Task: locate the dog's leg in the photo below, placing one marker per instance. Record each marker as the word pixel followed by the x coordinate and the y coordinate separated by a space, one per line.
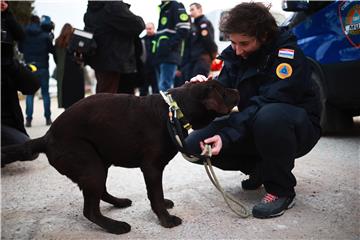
pixel 168 203
pixel 153 180
pixel 117 202
pixel 93 188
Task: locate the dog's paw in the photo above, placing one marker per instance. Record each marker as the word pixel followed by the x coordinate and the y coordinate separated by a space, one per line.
pixel 169 204
pixel 122 202
pixel 118 227
pixel 171 221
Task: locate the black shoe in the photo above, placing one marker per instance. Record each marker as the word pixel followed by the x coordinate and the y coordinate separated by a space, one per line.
pixel 253 183
pixel 28 123
pixel 272 206
pixel 48 122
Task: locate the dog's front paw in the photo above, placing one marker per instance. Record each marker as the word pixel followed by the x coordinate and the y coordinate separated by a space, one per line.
pixel 171 221
pixel 117 227
pixel 169 204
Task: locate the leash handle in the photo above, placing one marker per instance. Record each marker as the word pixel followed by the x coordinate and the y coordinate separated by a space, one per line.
pixel 243 211
pixel 207 152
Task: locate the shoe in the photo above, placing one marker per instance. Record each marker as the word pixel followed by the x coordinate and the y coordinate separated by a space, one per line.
pixel 252 183
pixel 48 122
pixel 272 206
pixel 28 123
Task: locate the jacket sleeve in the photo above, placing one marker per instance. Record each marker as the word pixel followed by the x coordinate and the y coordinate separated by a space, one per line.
pixel 289 79
pixel 182 24
pixel 24 80
pixel 224 77
pixel 207 37
pixel 122 19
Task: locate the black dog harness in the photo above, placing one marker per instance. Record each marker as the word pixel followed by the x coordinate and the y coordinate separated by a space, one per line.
pixel 179 128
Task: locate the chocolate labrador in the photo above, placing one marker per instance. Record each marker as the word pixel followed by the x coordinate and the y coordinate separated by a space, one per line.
pixel 126 131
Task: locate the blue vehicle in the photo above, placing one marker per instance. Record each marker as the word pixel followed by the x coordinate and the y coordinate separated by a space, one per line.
pixel 329 34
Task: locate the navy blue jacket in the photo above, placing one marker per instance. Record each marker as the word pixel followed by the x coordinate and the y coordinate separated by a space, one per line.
pixel 277 73
pixel 202 39
pixel 36 46
pixel 173 28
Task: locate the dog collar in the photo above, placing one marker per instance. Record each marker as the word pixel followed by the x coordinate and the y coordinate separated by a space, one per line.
pixel 175 111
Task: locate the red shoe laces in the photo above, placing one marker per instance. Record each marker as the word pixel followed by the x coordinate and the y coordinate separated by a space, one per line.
pixel 269 198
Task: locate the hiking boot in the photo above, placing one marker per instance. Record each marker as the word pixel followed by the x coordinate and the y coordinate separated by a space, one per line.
pixel 48 122
pixel 28 123
pixel 272 206
pixel 252 183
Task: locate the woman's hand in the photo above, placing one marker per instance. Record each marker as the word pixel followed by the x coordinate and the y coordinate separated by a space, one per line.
pixel 200 78
pixel 215 143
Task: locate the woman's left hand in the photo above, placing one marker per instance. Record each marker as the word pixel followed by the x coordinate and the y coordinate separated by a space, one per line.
pixel 215 143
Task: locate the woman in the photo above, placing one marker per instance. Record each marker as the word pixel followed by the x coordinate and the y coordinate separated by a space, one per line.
pixel 69 73
pixel 279 108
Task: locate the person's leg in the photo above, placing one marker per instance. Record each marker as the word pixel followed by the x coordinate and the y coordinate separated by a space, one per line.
pixel 201 66
pixel 10 136
pixel 186 73
pixel 107 82
pixel 126 83
pixel 29 109
pixel 44 84
pixel 282 132
pixel 166 76
pixel 153 82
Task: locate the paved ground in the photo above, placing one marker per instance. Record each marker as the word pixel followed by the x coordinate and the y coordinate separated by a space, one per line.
pixel 39 203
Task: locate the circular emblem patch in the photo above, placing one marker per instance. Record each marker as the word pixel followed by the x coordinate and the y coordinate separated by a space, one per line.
pixel 163 20
pixel 184 17
pixel 204 33
pixel 283 70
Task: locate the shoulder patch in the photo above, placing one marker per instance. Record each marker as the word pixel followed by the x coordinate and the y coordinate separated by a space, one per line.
pixel 286 53
pixel 284 70
pixel 204 33
pixel 203 25
pixel 184 17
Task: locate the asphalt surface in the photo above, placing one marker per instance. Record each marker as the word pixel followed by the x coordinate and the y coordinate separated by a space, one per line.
pixel 39 203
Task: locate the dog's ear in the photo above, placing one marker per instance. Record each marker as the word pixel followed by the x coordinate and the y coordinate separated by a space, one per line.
pixel 214 101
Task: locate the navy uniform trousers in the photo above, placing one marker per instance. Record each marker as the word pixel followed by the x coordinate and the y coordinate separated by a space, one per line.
pixel 279 133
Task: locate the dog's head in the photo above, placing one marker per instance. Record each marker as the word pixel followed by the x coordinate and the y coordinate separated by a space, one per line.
pixel 202 102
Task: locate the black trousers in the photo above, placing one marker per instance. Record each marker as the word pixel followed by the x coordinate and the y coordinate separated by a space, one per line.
pixel 199 66
pixel 278 134
pixel 10 136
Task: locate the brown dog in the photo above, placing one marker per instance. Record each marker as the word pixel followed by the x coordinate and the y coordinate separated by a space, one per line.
pixel 127 131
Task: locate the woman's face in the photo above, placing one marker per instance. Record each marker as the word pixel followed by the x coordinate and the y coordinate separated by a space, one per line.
pixel 244 45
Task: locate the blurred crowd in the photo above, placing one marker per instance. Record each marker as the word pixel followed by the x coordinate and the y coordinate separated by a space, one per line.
pixel 110 44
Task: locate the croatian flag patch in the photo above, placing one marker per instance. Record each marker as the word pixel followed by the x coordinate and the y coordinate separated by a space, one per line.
pixel 286 53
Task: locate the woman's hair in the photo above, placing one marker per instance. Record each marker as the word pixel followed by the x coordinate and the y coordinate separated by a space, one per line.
pixel 252 19
pixel 64 37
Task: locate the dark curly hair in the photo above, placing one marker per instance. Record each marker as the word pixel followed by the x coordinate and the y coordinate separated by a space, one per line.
pixel 253 19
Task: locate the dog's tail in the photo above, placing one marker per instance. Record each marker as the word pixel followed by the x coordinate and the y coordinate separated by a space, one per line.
pixel 23 152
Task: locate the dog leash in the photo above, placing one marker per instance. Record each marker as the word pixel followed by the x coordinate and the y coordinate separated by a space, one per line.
pixel 176 130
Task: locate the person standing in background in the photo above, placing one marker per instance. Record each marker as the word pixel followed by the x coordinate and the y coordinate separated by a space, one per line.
pixel 69 72
pixel 201 45
pixel 173 29
pixel 115 28
pixel 36 48
pixel 149 43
